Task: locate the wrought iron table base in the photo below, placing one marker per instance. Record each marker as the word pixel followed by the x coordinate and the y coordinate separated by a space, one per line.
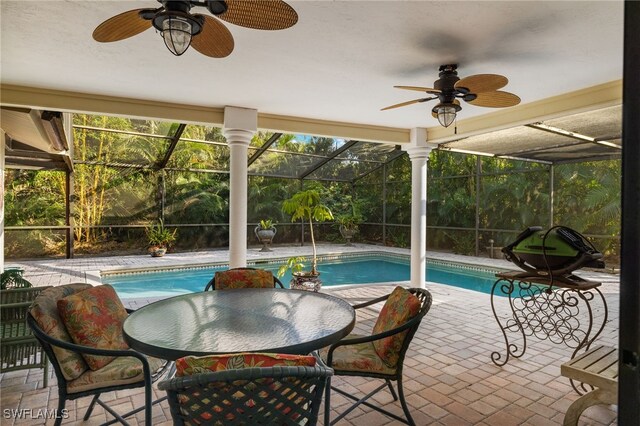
pixel 547 310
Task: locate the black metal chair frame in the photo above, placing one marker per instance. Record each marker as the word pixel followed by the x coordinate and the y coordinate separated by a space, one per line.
pixel 242 380
pixel 411 327
pixel 211 285
pixel 20 349
pixel 48 342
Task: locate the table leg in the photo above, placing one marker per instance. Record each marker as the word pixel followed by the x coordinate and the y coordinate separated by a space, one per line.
pixel 596 396
pixel 507 287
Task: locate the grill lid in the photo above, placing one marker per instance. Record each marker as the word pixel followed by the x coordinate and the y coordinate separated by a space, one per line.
pixel 554 245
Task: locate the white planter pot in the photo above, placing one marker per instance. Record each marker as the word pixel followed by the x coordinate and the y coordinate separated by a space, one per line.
pixel 265 236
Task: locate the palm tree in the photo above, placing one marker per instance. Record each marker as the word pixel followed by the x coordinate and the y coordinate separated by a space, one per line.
pixel 306 205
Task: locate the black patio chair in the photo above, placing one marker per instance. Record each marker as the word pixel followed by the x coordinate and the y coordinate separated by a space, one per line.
pixel 355 355
pixel 129 369
pixel 243 278
pixel 280 395
pixel 19 348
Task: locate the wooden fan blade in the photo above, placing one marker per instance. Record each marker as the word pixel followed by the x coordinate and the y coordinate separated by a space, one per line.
pixel 215 40
pixel 497 99
pixel 260 14
pixel 121 26
pixel 482 83
pixel 419 89
pixel 415 101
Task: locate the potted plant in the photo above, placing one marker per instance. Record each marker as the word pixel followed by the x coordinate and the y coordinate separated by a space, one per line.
pixel 12 278
pixel 348 226
pixel 265 231
pixel 295 264
pixel 159 238
pixel 307 205
pixel 300 280
pixel 349 218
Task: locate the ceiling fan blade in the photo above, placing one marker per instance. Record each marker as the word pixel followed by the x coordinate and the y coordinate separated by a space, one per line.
pixel 497 99
pixel 215 40
pixel 415 101
pixel 482 83
pixel 121 26
pixel 260 14
pixel 419 89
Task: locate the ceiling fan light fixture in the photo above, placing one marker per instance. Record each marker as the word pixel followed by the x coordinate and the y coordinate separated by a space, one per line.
pixel 446 114
pixel 176 32
pixel 479 90
pixel 207 34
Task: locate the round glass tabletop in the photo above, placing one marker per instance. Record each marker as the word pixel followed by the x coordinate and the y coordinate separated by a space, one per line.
pixel 242 320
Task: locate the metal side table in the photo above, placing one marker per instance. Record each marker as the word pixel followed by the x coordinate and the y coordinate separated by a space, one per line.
pixel 547 310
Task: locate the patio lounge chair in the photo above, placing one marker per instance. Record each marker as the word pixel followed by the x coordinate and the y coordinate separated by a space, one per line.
pixel 20 349
pixel 380 355
pixel 84 370
pixel 284 390
pixel 243 278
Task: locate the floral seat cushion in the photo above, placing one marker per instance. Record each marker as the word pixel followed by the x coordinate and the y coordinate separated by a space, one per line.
pixel 120 371
pixel 44 310
pixel 243 278
pixel 211 363
pixel 400 307
pixel 357 357
pixel 94 318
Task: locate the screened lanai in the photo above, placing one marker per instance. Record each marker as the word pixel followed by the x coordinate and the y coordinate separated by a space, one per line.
pixel 339 64
pixel 125 173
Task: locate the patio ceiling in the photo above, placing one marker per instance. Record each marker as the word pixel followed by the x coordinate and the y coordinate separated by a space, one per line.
pixel 331 73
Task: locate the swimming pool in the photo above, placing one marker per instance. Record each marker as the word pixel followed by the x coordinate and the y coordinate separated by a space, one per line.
pixel 378 268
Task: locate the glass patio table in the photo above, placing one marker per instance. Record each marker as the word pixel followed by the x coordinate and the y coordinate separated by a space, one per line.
pixel 242 320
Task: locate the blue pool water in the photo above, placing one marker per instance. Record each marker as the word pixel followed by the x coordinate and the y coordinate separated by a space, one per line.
pixel 333 272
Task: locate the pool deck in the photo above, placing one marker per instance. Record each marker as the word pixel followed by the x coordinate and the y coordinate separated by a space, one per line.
pixel 449 377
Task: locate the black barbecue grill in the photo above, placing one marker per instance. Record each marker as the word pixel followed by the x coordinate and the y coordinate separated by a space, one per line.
pixel 555 253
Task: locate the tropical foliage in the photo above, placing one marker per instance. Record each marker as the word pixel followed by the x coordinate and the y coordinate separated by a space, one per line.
pixel 160 236
pixel 265 224
pixel 308 206
pixel 125 178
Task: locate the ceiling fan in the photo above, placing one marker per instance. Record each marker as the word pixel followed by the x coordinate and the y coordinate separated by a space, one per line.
pixel 480 90
pixel 180 28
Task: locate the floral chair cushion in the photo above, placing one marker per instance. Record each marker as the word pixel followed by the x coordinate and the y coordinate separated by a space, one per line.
pixel 399 308
pixel 120 371
pixel 94 318
pixel 211 363
pixel 357 357
pixel 44 310
pixel 243 278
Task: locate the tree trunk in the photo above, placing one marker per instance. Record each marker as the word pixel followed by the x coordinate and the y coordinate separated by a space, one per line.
pixel 314 262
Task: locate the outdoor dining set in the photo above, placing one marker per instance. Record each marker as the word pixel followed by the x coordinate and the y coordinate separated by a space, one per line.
pixel 245 350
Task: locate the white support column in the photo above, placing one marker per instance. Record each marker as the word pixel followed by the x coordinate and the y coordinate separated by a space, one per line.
pixel 418 150
pixel 240 124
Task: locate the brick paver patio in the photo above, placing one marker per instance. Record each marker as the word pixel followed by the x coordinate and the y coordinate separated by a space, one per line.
pixel 449 377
